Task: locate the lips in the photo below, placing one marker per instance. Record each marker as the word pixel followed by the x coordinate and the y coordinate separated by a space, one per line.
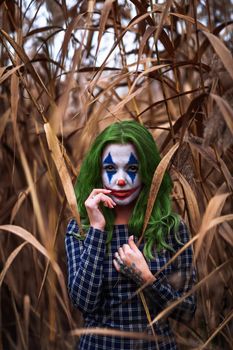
pixel 122 194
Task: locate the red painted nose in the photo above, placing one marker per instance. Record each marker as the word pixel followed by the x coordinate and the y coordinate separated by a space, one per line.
pixel 121 182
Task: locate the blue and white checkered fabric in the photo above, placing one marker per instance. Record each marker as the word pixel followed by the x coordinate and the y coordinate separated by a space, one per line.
pixel 107 298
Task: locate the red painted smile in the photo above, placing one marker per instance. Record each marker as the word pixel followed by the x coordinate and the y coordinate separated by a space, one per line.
pixel 122 194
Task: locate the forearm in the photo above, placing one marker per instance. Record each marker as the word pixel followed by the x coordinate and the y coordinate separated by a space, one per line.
pixel 85 267
pixel 161 294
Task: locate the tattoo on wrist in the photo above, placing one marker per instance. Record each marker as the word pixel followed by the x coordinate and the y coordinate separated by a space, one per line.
pixel 131 272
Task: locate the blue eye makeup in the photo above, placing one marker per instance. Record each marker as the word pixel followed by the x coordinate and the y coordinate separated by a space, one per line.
pixel 132 167
pixel 109 166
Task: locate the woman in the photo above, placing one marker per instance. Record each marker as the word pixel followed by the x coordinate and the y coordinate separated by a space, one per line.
pixel 107 267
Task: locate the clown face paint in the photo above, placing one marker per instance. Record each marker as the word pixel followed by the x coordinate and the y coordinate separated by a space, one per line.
pixel 120 172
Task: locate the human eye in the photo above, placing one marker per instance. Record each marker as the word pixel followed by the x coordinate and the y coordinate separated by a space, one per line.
pixel 133 168
pixel 109 167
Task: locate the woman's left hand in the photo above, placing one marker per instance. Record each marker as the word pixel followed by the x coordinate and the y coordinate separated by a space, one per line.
pixel 130 261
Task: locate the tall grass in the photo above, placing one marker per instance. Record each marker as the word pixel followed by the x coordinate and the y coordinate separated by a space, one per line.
pixel 69 69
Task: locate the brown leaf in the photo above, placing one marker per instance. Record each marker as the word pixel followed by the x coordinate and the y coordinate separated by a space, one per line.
pixel 4 120
pixel 10 260
pixel 70 27
pixel 165 40
pixel 191 203
pixel 225 109
pixel 225 232
pixel 26 311
pixel 29 238
pixel 54 147
pixel 9 73
pixel 142 9
pixel 14 98
pixel 209 155
pixel 183 121
pixel 222 51
pixel 213 210
pixel 21 53
pixel 114 111
pixel 162 19
pixel 149 31
pixel 227 319
pixel 44 29
pixel 103 20
pixel 112 332
pixel 155 185
pixel 145 72
pixel 136 20
pixel 2 70
pixel 219 220
pixel 190 20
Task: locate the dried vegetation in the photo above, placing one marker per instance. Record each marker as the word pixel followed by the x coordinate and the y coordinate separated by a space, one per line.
pixel 68 69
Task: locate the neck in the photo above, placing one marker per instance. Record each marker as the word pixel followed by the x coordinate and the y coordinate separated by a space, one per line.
pixel 123 214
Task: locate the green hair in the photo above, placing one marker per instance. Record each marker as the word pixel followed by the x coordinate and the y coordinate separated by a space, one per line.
pixel 162 219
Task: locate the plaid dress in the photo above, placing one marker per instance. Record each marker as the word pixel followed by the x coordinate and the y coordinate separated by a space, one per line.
pixel 107 298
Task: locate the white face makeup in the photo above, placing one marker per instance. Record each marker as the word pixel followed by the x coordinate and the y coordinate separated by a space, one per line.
pixel 120 172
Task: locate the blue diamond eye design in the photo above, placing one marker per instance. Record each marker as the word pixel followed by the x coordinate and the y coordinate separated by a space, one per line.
pixel 132 167
pixel 109 166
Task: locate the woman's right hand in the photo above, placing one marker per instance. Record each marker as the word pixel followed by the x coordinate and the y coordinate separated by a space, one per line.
pixel 97 196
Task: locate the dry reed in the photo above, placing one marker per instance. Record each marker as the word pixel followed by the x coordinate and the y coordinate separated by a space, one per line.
pixel 167 65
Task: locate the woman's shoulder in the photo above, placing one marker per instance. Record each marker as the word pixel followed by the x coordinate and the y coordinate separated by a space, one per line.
pixel 183 230
pixel 179 235
pixel 72 227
